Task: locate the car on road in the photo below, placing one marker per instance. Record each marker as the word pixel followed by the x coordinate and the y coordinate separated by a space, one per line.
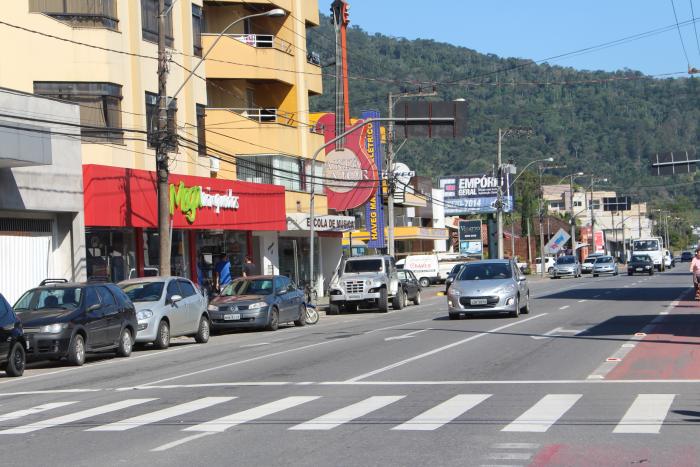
pixel 566 265
pixel 549 262
pixel 686 257
pixel 640 264
pixel 365 281
pixel 69 320
pixel 12 343
pixel 167 307
pixel 489 287
pixel 452 274
pixel 262 302
pixel 587 265
pixel 605 265
pixel 411 286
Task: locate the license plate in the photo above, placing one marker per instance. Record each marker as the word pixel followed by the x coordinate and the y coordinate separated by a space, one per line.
pixel 355 296
pixel 639 269
pixel 478 301
pixel 232 317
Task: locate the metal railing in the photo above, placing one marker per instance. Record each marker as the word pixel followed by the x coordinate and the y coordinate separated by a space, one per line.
pixel 261 114
pixel 260 41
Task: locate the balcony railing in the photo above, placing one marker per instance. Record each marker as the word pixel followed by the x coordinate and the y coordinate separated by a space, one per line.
pixel 314 58
pixel 261 41
pixel 261 115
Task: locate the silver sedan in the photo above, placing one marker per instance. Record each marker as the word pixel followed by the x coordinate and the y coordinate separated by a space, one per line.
pixel 605 265
pixel 489 287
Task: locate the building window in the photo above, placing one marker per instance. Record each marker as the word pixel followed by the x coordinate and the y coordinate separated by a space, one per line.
pixel 595 204
pixel 100 107
pixel 149 21
pixel 79 14
pixel 152 122
pixel 201 130
pixel 556 205
pixel 578 204
pixel 197 24
pixel 271 169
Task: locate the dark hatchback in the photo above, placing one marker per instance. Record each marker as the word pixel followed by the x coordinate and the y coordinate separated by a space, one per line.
pixel 640 264
pixel 12 343
pixel 65 320
pixel 410 285
pixel 686 257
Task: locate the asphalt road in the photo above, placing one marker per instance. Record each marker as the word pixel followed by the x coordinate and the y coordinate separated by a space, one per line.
pixel 602 371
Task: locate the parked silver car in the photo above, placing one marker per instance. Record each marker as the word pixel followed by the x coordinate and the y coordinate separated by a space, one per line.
pixel 488 287
pixel 167 307
pixel 605 265
pixel 566 266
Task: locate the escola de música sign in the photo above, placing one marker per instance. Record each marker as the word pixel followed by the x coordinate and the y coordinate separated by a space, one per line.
pixel 190 199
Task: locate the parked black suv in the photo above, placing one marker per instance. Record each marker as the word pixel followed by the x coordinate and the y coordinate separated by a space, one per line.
pixel 12 355
pixel 67 320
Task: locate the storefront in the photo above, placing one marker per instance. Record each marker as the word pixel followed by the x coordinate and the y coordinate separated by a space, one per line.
pixel 210 218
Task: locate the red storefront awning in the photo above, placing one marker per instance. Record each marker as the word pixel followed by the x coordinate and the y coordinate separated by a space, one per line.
pixel 119 197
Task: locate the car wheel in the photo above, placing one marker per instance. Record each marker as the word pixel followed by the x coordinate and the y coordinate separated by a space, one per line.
pixel 383 301
pixel 595 275
pixel 302 316
pixel 125 344
pixel 549 271
pixel 163 336
pixel 274 323
pixel 333 309
pixel 515 313
pixel 203 331
pixel 454 316
pixel 424 282
pixel 76 351
pixel 417 299
pixel 398 301
pixel 630 274
pixel 526 309
pixel 16 360
pixel 651 273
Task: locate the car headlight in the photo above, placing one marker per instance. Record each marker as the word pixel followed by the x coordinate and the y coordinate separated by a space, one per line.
pixel 373 283
pixel 213 308
pixel 454 292
pixel 257 305
pixel 144 314
pixel 53 328
pixel 510 301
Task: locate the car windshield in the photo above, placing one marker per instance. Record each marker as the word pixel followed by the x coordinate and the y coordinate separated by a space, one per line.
pixel 364 265
pixel 483 271
pixel 67 298
pixel 640 258
pixel 604 259
pixel 591 259
pixel 566 260
pixel 455 268
pixel 645 245
pixel 248 287
pixel 143 291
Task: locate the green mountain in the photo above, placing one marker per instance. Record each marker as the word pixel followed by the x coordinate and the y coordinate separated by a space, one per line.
pixel 601 123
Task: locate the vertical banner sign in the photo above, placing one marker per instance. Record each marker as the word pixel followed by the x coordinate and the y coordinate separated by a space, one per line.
pixel 374 210
pixel 470 238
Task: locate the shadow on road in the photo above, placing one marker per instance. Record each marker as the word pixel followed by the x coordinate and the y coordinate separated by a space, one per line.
pixel 637 293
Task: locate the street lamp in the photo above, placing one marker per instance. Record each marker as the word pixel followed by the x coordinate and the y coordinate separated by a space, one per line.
pixel 512 224
pixel 593 181
pixel 571 178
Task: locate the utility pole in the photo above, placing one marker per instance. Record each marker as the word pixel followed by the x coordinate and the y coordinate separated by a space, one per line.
pixel 593 246
pixel 573 219
pixel 391 181
pixel 162 170
pixel 542 208
pixel 499 201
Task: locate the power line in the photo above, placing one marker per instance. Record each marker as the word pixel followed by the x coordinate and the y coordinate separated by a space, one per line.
pixel 692 12
pixel 680 36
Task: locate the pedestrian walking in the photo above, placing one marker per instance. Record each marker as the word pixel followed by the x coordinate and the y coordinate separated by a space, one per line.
pixel 249 267
pixel 695 270
pixel 222 271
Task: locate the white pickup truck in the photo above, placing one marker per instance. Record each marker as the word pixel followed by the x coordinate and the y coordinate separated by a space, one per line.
pixel 652 246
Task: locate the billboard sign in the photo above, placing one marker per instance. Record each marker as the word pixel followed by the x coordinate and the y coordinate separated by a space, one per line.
pixel 617 203
pixel 374 209
pixel 475 194
pixel 470 238
pixel 557 242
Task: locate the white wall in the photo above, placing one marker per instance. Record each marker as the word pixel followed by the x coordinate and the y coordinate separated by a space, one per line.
pixel 269 252
pixel 332 250
pixel 438 196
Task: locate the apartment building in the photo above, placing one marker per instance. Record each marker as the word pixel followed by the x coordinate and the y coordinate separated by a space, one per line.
pixel 241 120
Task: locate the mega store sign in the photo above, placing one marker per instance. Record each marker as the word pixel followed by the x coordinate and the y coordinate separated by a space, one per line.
pixel 120 197
pixel 475 194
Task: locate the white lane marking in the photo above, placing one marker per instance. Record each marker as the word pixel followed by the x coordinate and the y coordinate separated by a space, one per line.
pixel 254 345
pixel 443 413
pixel 583 300
pixel 646 414
pixel 509 456
pixel 397 325
pixel 440 349
pixel 541 416
pixel 515 446
pixel 347 414
pixel 406 336
pixel 74 417
pixel 33 410
pixel 555 331
pixel 564 307
pixel 207 385
pixel 161 415
pixel 50 391
pixel 224 423
pixel 174 444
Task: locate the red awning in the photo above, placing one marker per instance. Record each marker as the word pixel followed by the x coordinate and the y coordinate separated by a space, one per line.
pixel 120 197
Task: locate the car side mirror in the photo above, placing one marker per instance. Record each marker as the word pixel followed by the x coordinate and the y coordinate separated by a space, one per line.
pixel 93 307
pixel 175 298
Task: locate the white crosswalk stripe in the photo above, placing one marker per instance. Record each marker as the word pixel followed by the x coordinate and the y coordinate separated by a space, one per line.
pixel 224 423
pixel 444 413
pixel 74 417
pixel 544 413
pixel 160 415
pixel 646 414
pixel 347 414
pixel 33 410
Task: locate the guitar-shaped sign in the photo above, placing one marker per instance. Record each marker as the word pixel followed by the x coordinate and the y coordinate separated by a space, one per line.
pixel 350 174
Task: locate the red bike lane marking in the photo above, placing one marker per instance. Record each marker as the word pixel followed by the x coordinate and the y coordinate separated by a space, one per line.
pixel 670 351
pixel 586 455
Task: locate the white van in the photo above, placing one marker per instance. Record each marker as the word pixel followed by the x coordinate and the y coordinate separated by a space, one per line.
pixel 548 264
pixel 425 267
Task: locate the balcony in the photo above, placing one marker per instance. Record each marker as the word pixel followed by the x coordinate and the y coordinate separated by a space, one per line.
pixel 313 73
pixel 250 56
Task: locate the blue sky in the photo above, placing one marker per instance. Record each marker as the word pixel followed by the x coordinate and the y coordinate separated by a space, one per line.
pixel 538 29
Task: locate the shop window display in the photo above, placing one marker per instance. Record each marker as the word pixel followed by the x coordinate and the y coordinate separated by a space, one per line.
pixel 110 254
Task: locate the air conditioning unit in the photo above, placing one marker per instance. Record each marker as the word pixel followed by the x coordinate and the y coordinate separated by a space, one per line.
pixel 214 164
